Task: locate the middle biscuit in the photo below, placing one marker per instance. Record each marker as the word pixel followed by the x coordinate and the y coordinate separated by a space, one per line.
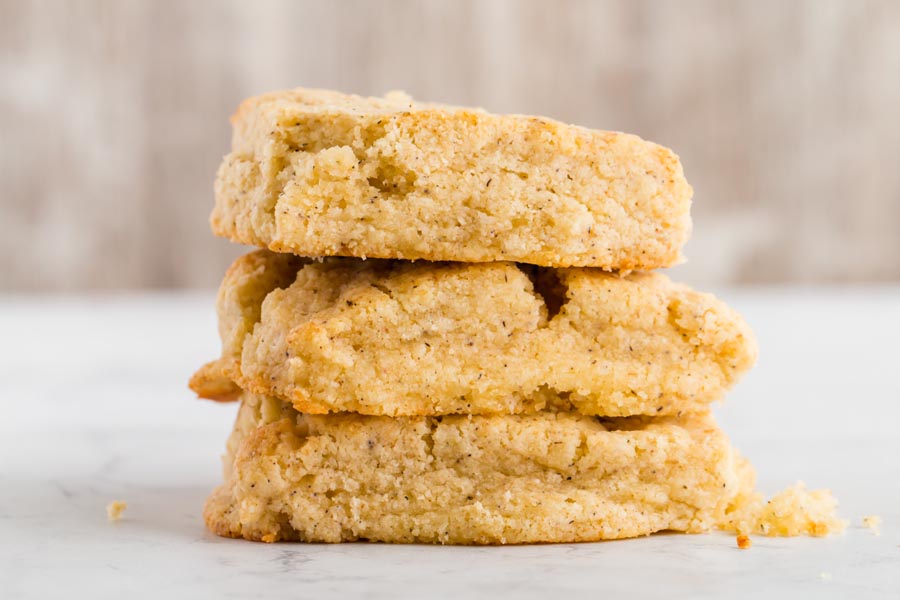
pixel 398 338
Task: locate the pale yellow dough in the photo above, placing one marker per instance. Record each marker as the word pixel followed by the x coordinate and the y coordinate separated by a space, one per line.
pixel 399 338
pixel 319 173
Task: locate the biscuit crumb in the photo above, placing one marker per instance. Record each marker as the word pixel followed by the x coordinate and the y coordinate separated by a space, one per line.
pixel 872 522
pixel 794 511
pixel 115 509
pixel 744 542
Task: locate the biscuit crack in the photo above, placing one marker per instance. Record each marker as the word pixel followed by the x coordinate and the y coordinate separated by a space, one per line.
pixel 431 425
pixel 548 286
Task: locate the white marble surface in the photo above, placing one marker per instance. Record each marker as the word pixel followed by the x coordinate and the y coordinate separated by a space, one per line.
pixel 95 409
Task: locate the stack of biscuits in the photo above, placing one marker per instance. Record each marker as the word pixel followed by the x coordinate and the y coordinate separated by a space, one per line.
pixel 452 333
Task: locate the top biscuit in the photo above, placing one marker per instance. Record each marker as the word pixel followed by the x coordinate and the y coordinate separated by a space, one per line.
pixel 319 173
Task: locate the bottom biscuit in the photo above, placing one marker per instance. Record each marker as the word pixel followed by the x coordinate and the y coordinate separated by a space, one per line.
pixel 550 477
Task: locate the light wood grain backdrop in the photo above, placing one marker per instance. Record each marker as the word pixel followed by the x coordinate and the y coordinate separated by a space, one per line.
pixel 113 117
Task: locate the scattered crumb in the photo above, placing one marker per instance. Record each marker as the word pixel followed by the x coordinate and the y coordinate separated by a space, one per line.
pixel 115 509
pixel 825 576
pixel 873 522
pixel 744 542
pixel 794 511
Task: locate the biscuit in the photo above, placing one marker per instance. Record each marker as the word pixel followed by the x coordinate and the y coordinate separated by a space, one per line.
pixel 319 173
pixel 399 338
pixel 548 477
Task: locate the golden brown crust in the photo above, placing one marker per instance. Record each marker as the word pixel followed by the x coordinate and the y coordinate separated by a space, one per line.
pixel 395 338
pixel 318 173
pixel 215 381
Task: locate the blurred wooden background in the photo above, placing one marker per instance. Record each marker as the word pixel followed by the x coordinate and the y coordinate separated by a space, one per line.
pixel 785 113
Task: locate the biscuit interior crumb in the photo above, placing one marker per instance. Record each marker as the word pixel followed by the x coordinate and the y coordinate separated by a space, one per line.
pixel 115 509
